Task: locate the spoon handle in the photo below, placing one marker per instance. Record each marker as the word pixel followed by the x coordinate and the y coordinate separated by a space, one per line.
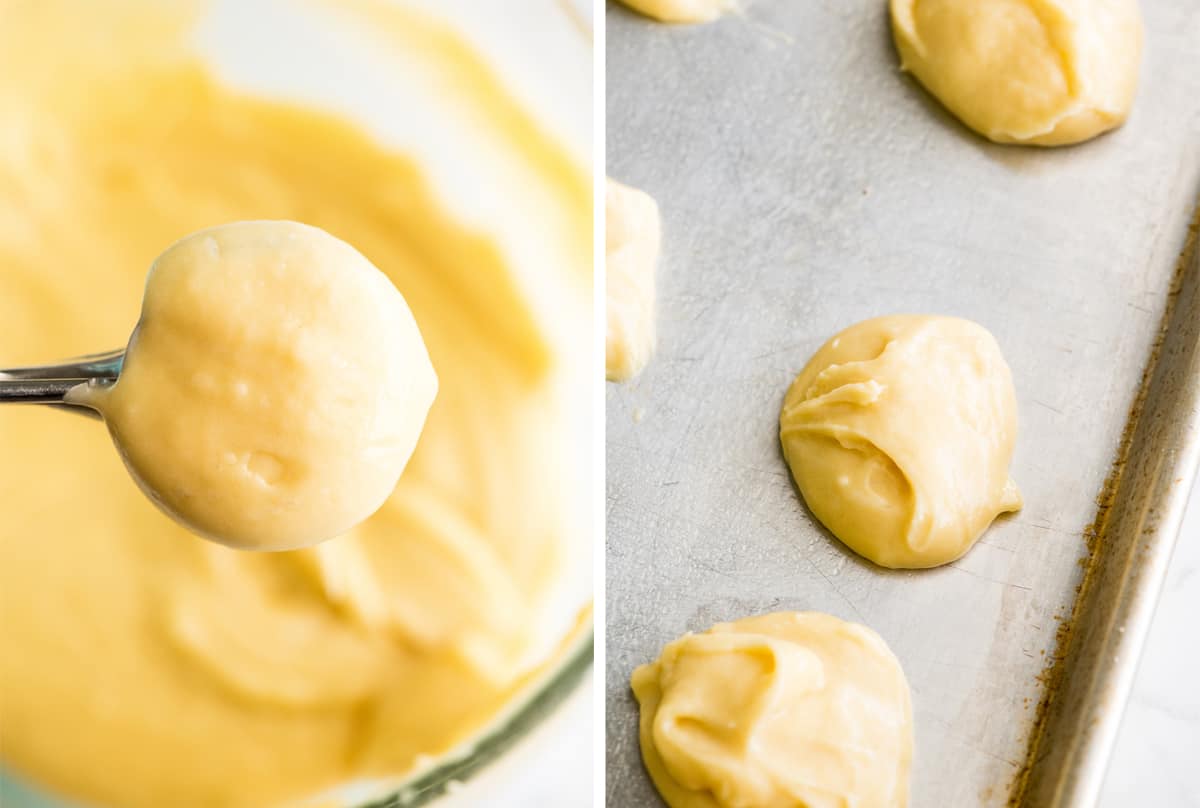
pixel 93 366
pixel 35 391
pixel 47 384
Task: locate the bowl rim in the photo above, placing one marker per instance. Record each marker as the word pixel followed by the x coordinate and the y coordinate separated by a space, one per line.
pixel 525 714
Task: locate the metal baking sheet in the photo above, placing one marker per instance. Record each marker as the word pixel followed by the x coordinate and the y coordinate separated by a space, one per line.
pixel 807 184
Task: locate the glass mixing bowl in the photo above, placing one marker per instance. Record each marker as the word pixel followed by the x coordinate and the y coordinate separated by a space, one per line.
pixel 529 712
pixel 518 40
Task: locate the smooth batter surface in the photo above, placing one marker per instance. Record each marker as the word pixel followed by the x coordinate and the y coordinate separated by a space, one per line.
pixel 274 389
pixel 632 238
pixel 144 666
pixel 682 10
pixel 899 433
pixel 785 710
pixel 1046 72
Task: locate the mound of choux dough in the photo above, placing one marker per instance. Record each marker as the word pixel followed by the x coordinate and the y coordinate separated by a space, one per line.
pixel 899 433
pixel 632 235
pixel 1044 72
pixel 274 389
pixel 681 10
pixel 785 709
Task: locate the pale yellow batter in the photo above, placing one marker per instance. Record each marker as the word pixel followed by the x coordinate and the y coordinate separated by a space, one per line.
pixel 1046 72
pixel 633 232
pixel 682 10
pixel 143 667
pixel 274 389
pixel 899 433
pixel 785 710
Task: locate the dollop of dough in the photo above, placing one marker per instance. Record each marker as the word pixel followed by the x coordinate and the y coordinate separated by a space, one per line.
pixel 274 388
pixel 776 711
pixel 1045 72
pixel 899 433
pixel 682 10
pixel 632 235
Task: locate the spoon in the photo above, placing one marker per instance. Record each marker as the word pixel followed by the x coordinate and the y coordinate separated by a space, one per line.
pixel 272 392
pixel 49 384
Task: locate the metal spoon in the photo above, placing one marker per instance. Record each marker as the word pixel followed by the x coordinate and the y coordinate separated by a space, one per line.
pixel 48 384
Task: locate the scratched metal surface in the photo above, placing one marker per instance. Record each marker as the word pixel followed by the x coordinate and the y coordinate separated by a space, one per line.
pixel 805 185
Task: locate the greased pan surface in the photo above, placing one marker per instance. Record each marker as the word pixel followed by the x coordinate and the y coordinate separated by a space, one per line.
pixel 806 184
